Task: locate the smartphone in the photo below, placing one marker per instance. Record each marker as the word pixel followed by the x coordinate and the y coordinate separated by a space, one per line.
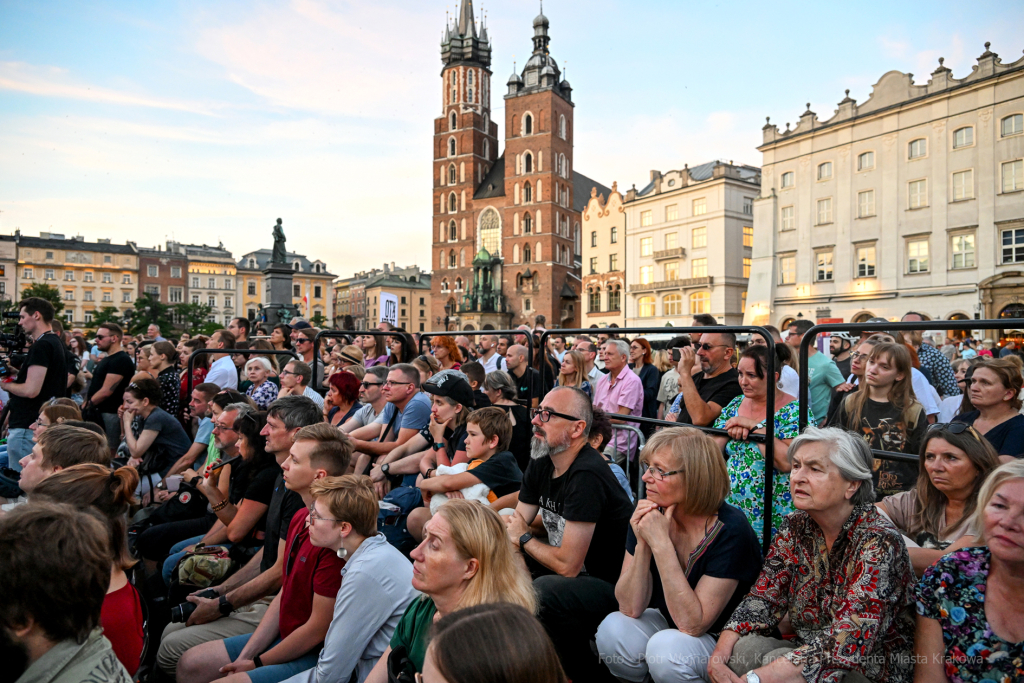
pixel 226 462
pixel 675 355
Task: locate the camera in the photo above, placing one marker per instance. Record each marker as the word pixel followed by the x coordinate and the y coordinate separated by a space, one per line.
pixel 14 342
pixel 181 613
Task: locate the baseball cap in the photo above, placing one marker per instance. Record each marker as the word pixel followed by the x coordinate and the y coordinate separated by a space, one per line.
pixel 451 384
pixel 301 325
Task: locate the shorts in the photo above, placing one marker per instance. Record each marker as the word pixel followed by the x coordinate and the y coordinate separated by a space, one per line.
pixel 272 673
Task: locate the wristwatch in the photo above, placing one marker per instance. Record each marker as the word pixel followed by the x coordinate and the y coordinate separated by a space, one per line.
pixel 259 662
pixel 524 539
pixel 438 446
pixel 385 468
pixel 753 677
pixel 224 606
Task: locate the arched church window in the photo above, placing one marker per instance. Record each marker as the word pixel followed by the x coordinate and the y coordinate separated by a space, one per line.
pixel 452 178
pixel 458 284
pixel 451 147
pixel 526 254
pixel 453 203
pixel 452 232
pixel 527 193
pixel 487 149
pixel 452 259
pixel 561 126
pixel 490 231
pixel 528 125
pixel 527 223
pixel 528 163
pixel 454 122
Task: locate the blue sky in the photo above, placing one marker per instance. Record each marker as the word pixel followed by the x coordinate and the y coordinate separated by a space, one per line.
pixel 205 121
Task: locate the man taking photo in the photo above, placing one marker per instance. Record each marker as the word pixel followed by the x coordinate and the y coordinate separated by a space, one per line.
pixel 41 377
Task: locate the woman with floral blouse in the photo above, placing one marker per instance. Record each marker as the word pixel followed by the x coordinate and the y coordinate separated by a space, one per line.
pixel 969 628
pixel 263 392
pixel 838 569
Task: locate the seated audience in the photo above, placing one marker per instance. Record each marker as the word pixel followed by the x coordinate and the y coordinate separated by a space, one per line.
pixel 446 351
pixel 199 409
pixel 968 604
pixel 619 392
pixel 995 394
pixel 487 434
pixel 156 440
pixel 376 588
pixel 54 413
pixel 493 643
pixel 704 391
pixel 745 415
pixel 950 406
pixel 288 638
pixel 407 412
pixel 371 398
pixel 93 486
pixel 501 391
pixel 642 364
pixel 163 364
pixel 837 569
pixel 427 366
pixel 585 514
pixel 58 448
pixel 955 460
pixel 262 391
pixel 401 346
pixel 690 558
pixel 374 349
pixel 55 560
pixel 464 560
pixel 571 373
pixel 342 400
pixel 476 375
pixel 600 435
pixel 295 380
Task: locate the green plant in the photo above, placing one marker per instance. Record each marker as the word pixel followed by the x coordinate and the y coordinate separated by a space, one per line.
pixel 51 294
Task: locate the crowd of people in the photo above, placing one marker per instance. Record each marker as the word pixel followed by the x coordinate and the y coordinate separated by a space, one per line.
pixel 383 507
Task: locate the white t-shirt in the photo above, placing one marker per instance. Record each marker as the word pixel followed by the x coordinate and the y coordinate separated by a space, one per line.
pixel 789 381
pixel 495 362
pixel 223 373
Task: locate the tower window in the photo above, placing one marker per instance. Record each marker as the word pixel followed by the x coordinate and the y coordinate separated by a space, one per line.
pixel 561 126
pixel 451 147
pixel 487 149
pixel 452 178
pixel 454 122
pixel 527 125
pixel 528 163
pixel 527 223
pixel 452 203
pixel 452 232
pixel 470 77
pixel 526 254
pixel 527 194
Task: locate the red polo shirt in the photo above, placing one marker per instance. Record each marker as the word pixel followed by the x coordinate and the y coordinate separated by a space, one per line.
pixel 307 570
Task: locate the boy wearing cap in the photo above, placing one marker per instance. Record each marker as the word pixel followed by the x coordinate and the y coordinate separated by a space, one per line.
pixel 488 433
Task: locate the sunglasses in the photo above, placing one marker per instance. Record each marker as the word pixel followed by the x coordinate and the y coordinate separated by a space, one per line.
pixel 367 385
pixel 708 347
pixel 954 428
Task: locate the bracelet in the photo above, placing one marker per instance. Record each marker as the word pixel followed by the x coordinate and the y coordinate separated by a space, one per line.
pixel 219 506
pixel 430 471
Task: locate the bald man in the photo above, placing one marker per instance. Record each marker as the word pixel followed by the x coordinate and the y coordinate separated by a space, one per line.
pixel 526 378
pixel 490 358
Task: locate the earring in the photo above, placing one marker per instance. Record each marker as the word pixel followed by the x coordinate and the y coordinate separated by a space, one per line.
pixel 342 553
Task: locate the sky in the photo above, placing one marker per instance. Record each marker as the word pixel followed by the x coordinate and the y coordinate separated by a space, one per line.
pixel 204 122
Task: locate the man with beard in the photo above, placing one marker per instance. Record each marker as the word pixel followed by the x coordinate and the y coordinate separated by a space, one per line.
pixel 585 513
pixel 109 380
pixel 55 560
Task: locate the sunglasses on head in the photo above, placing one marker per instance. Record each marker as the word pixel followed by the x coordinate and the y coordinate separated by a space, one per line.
pixel 954 428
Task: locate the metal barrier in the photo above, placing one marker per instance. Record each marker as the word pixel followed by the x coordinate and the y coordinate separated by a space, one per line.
pixel 923 325
pixel 527 401
pixel 252 352
pixel 769 425
pixel 641 442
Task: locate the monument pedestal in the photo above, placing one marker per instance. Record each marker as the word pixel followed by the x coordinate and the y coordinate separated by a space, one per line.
pixel 279 308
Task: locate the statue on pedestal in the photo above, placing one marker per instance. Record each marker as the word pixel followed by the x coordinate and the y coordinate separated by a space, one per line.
pixel 279 255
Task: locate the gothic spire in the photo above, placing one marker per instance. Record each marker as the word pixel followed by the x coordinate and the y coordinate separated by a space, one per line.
pixel 467 27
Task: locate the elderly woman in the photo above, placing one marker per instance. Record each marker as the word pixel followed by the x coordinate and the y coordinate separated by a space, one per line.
pixel 995 389
pixel 968 604
pixel 465 560
pixel 690 558
pixel 936 513
pixel 263 392
pixel 746 415
pixel 840 572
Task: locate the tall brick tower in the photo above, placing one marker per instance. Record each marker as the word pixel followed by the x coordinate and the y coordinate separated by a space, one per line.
pixel 465 146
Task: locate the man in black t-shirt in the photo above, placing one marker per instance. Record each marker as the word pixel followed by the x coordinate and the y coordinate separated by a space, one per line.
pixel 42 376
pixel 703 395
pixel 111 377
pixel 585 513
pixel 526 378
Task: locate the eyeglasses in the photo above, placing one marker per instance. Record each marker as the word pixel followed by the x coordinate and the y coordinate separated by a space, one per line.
pixel 218 427
pixel 367 385
pixel 708 347
pixel 659 474
pixel 857 354
pixel 314 516
pixel 545 415
pixel 391 383
pixel 286 372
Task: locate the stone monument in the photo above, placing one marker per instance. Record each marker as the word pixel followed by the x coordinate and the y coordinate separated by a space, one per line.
pixel 279 281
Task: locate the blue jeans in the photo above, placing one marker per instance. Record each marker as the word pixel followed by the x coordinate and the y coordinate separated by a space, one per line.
pixel 272 673
pixel 19 444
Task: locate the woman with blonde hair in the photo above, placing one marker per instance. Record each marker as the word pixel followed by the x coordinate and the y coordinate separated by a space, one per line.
pixel 573 373
pixel 671 609
pixel 427 365
pixel 465 560
pixel 377 588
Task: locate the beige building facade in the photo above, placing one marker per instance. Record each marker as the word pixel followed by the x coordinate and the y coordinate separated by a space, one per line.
pixel 413 293
pixel 604 258
pixel 913 200
pixel 689 235
pixel 312 285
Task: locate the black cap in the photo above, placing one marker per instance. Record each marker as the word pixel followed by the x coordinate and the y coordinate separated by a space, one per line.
pixel 301 325
pixel 451 385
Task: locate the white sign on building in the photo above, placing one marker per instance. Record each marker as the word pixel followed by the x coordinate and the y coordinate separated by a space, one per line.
pixel 388 308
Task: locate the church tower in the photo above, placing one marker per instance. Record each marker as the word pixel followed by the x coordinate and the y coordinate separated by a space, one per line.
pixel 465 149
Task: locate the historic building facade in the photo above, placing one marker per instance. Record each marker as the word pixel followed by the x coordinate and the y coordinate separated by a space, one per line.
pixel 604 257
pixel 913 200
pixel 211 279
pixel 412 290
pixel 163 275
pixel 312 285
pixel 689 235
pixel 506 229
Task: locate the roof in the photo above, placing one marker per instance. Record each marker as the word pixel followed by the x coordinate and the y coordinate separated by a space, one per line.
pixel 263 257
pixel 581 186
pixel 494 183
pixel 391 280
pixel 706 171
pixel 160 253
pixel 76 245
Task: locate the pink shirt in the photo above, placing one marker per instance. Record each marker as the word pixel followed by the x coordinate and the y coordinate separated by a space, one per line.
pixel 626 391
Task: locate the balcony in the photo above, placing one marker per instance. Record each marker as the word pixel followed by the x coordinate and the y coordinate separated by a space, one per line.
pixel 689 283
pixel 664 254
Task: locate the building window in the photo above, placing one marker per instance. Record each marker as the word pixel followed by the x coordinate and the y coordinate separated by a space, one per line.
pixel 108 259
pixel 527 163
pixel 195 282
pixel 672 304
pixel 671 271
pixel 228 284
pixel 824 211
pixel 593 264
pixel 1013 125
pixel 48 274
pixel 615 235
pixel 593 238
pixel 227 302
pixel 126 279
pixel 452 123
pixel 527 193
pixel 195 298
pixel 88 277
pixel 917 256
pixel 700 206
pixel 646 246
pixel 646 275
pixel 211 283
pixel 748 235
pixel 527 223
pixel 671 240
pixel 825 171
pixel 614 297
pixel 153 271
pixel 699 267
pixel 866 161
pixel 1013 176
pixel 527 125
pixel 561 126
pixel 252 288
pixel 108 297
pixel 823 270
pixel 963 137
pixel 211 300
pixel 672 212
pixel 153 291
pixel 917 148
pixel 788 179
pixel 787 270
pixel 88 295
pixel 49 256
pixel 963 185
pixel 699 238
pixel 69 276
pixel 175 294
pixel 1013 246
pixel 746 267
pixel 963 251
pixel 865 262
pixel 865 204
pixel 451 147
pixel 108 278
pixel 788 218
pixel 69 295
pixel 748 206
pixel 526 254
pixel 613 262
pixel 645 306
pixel 646 219
pixel 595 301
pixel 318 292
pixel 700 302
pixel 176 272
pixel 126 297
pixel 918 193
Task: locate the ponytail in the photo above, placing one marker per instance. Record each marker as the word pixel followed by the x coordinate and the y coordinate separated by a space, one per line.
pixel 123 482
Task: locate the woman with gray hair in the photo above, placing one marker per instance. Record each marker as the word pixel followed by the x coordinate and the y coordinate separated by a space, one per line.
pixel 262 391
pixel 838 569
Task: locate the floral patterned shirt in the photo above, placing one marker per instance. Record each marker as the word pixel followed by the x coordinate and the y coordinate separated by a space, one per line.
pixel 851 607
pixel 952 591
pixel 943 377
pixel 746 468
pixel 263 395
